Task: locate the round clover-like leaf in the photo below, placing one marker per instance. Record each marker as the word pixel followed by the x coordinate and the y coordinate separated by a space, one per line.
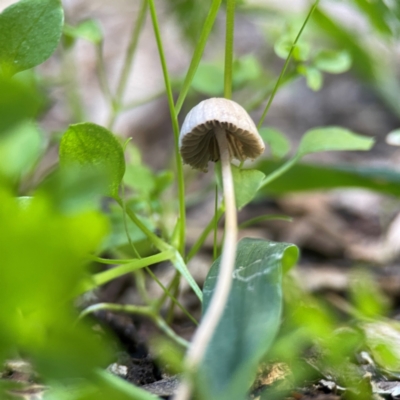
pixel 29 33
pixel 93 147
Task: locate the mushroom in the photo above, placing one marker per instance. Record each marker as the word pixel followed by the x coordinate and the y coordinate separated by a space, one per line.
pixel 210 118
pixel 217 129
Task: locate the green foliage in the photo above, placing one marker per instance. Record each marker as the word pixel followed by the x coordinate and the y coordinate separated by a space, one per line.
pixel 332 139
pixel 334 62
pixel 277 142
pixel 305 177
pixel 20 150
pixel 18 102
pixel 29 33
pixel 43 253
pixel 250 320
pixel 89 30
pixel 94 147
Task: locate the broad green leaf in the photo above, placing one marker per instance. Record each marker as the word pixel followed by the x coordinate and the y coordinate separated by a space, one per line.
pixel 276 140
pixel 305 177
pixel 332 139
pixel 20 149
pixel 393 138
pixel 29 33
pixel 246 182
pixel 94 147
pixel 209 79
pixel 18 102
pixel 44 255
pixel 250 320
pixel 334 62
pixel 89 30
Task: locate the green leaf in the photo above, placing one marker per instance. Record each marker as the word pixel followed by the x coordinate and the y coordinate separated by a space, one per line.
pixel 209 79
pixel 283 45
pixel 92 146
pixel 44 255
pixel 314 77
pixel 250 320
pixel 334 62
pixel 305 177
pixel 18 102
pixel 332 139
pixel 140 178
pixel 276 140
pixel 246 69
pixel 246 182
pixel 29 33
pixel 393 138
pixel 20 149
pixel 89 30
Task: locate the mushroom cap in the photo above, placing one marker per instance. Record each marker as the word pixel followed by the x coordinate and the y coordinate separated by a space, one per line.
pixel 197 142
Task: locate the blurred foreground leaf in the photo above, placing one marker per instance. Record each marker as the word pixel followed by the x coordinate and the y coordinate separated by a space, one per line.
pixel 18 102
pixel 251 317
pixel 29 33
pixel 20 149
pixel 93 147
pixel 43 262
pixel 305 177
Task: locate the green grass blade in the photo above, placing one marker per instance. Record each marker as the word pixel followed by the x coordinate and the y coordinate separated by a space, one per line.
pixel 229 36
pixel 208 24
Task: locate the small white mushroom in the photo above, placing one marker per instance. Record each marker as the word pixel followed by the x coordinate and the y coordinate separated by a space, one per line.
pixel 198 138
pixel 217 129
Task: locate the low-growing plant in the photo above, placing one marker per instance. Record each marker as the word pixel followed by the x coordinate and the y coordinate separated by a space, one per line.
pixel 54 230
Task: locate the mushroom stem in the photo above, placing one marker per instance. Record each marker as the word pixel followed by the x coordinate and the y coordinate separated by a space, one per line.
pixel 216 307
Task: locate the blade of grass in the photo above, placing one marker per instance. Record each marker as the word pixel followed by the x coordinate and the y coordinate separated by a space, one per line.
pixel 273 217
pixel 175 126
pixel 201 44
pixel 278 82
pixel 126 69
pixel 229 36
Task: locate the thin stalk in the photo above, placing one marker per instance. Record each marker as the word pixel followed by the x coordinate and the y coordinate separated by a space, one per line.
pixel 106 276
pixel 262 218
pixel 175 126
pixel 215 244
pixel 280 171
pixel 157 242
pixel 101 73
pixel 167 293
pixel 216 307
pixel 139 310
pixel 198 52
pixel 230 27
pixel 196 247
pixel 126 69
pixel 278 82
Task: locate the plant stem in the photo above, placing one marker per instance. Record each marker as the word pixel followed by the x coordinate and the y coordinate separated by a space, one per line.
pixel 278 82
pixel 230 26
pixel 281 170
pixel 216 307
pixel 157 242
pixel 175 126
pixel 126 69
pixel 140 310
pixel 201 44
pixel 215 244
